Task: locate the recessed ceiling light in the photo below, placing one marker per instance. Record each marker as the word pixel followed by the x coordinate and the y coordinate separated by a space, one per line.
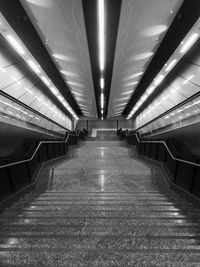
pixel 142 56
pixel 133 76
pixel 69 73
pixel 189 42
pixel 155 30
pixel 77 93
pixel 127 93
pixel 54 90
pixel 101 32
pixel 15 44
pixel 169 67
pixel 150 90
pixel 102 83
pixel 33 66
pixel 63 57
pixel 45 80
pixel 130 84
pixel 76 84
pixel 102 100
pixel 159 79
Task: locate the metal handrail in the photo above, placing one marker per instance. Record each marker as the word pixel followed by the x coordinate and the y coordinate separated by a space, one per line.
pixel 163 142
pixel 29 159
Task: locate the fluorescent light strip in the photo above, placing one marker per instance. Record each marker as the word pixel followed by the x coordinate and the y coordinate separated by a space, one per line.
pixel 189 42
pixel 159 79
pixel 169 67
pixel 33 66
pixel 102 100
pixel 101 22
pixel 45 80
pixel 129 84
pixel 102 83
pixel 54 90
pixel 15 44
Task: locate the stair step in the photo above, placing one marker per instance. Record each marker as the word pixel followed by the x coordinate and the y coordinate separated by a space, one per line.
pixel 99 242
pixel 107 205
pixel 90 208
pixel 98 221
pixel 95 213
pixel 88 228
pixel 106 202
pixel 100 192
pixel 101 257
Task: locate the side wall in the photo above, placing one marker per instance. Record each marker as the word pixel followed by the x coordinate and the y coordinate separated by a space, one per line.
pixel 15 141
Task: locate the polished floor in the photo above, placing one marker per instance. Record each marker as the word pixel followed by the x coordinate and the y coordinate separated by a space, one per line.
pixel 100 207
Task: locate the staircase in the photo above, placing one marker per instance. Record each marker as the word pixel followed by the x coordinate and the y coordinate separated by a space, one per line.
pixel 100 208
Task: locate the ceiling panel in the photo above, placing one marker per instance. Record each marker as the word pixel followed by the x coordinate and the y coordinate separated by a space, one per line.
pixel 61 25
pixel 142 26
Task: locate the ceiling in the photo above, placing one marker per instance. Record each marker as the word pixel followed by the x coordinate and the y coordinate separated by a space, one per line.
pixel 134 31
pixel 60 25
pixel 143 24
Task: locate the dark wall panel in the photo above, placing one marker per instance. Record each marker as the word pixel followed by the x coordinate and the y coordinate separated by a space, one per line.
pixel 186 140
pixel 5 188
pixel 185 174
pixel 15 141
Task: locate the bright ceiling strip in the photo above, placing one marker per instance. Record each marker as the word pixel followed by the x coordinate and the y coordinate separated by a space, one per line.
pixel 102 83
pixel 102 100
pixel 101 37
pixel 188 44
pixel 101 17
pixel 15 44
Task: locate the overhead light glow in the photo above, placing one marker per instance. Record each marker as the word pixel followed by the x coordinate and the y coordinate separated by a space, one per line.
pixel 159 79
pixel 150 90
pixel 169 67
pixel 102 100
pixel 134 75
pixel 60 98
pixel 144 97
pixel 127 93
pixel 188 79
pixel 54 90
pixel 102 83
pixel 142 56
pixel 15 45
pixel 33 66
pixel 101 22
pixel 45 80
pixel 129 84
pixel 154 30
pixel 189 42
pixel 102 111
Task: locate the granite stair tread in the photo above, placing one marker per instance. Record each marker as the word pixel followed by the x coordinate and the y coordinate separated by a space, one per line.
pixel 100 208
